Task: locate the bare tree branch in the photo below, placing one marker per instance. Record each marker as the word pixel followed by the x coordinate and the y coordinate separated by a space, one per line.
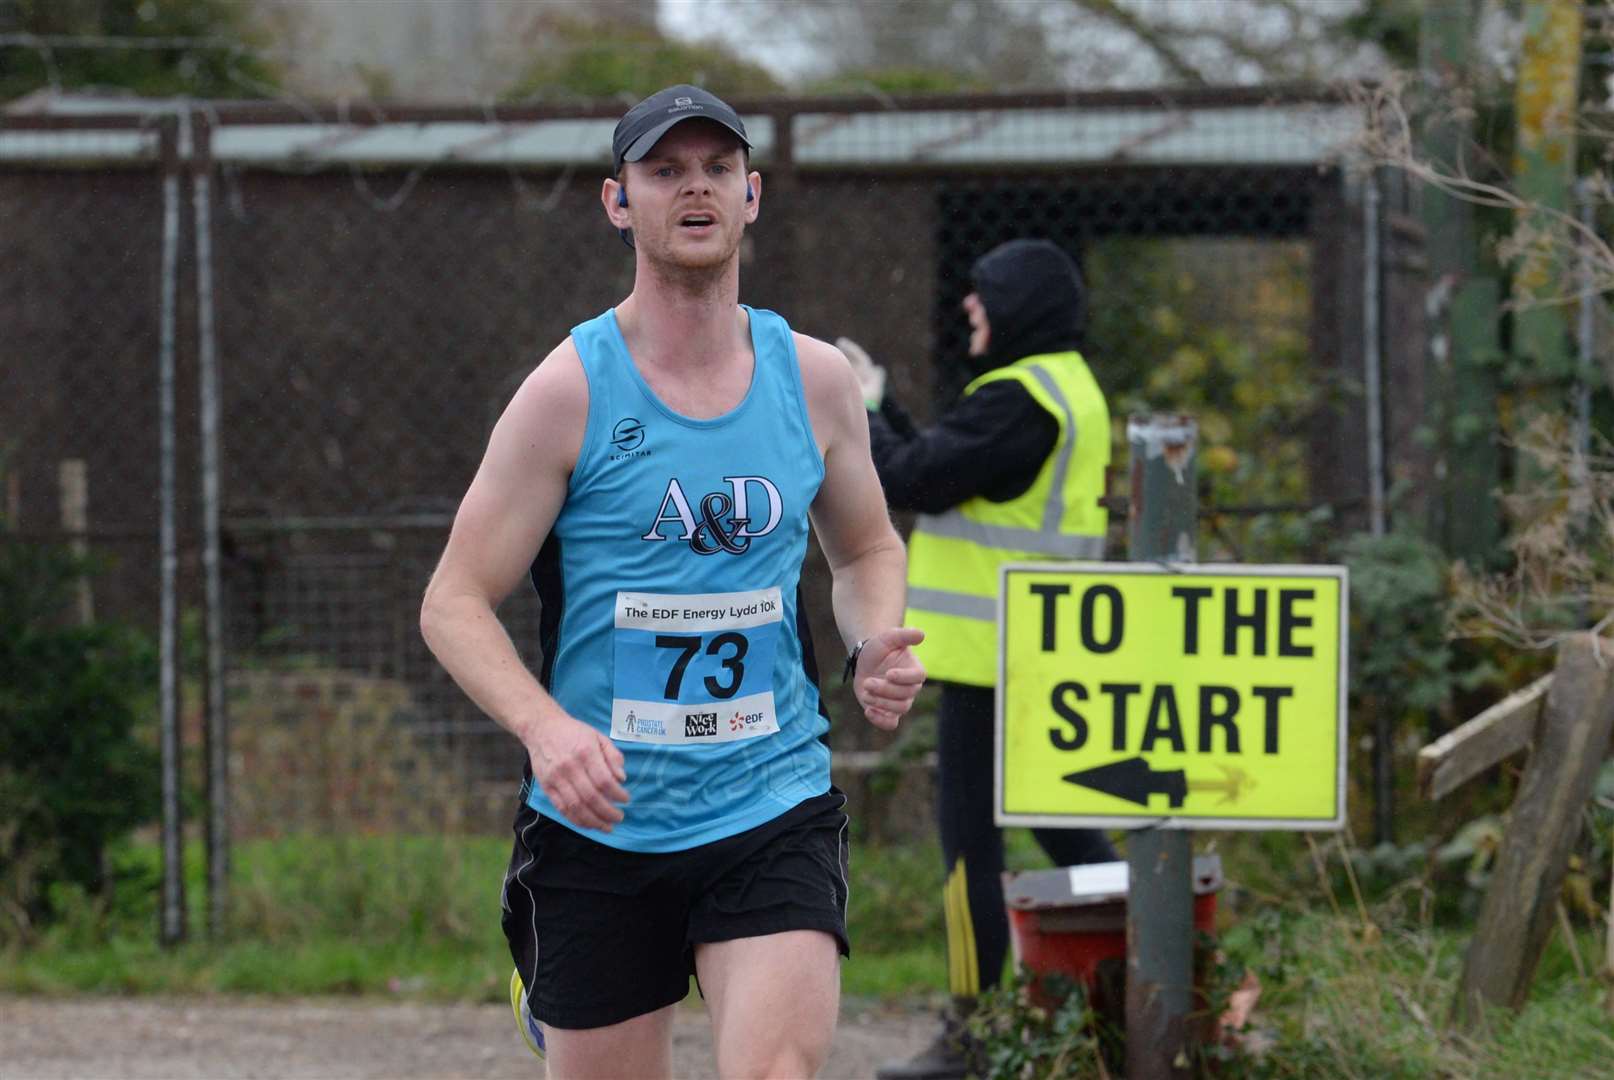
pixel 1157 38
pixel 1542 231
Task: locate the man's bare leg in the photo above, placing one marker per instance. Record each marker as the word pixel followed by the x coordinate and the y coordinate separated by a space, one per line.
pixel 640 1048
pixel 774 1001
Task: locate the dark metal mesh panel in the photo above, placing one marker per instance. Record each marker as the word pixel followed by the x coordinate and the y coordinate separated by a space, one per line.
pixel 972 217
pixel 367 354
pixel 344 603
pixel 79 291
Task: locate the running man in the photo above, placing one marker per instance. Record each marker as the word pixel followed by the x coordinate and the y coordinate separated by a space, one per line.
pixel 655 476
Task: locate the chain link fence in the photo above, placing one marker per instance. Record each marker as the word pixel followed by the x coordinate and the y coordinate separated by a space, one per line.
pixel 81 329
pixel 373 289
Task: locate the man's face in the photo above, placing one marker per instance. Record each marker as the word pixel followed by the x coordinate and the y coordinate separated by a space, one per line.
pixel 687 197
pixel 980 329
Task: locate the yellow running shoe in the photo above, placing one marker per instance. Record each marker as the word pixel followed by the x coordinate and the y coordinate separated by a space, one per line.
pixel 531 1033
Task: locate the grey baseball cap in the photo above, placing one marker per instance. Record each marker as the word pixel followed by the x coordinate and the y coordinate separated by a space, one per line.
pixel 642 126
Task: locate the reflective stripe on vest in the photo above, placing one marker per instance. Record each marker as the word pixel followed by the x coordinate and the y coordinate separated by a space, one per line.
pixel 963 605
pixel 1050 542
pixel 954 556
pixel 1054 512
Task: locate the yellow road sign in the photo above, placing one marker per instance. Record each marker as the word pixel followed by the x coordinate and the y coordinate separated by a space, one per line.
pixel 1210 697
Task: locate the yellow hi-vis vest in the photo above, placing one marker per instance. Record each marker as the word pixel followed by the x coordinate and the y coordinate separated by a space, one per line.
pixel 953 558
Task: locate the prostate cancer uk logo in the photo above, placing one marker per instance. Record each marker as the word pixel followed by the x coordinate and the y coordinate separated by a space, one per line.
pixel 645 725
pixel 726 521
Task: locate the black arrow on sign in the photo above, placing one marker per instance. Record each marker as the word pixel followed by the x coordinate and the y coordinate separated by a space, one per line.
pixel 1132 779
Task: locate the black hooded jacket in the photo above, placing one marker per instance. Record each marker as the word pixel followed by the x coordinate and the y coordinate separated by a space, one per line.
pixel 992 443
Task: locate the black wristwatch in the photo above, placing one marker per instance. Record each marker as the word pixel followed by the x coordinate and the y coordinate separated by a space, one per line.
pixel 851 662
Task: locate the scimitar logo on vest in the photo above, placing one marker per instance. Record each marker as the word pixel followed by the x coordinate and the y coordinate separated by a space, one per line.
pixel 1203 697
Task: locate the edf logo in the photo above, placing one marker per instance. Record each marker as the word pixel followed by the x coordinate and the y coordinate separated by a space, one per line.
pixel 725 519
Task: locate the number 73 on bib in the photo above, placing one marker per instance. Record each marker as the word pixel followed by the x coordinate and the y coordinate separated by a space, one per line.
pixel 1210 697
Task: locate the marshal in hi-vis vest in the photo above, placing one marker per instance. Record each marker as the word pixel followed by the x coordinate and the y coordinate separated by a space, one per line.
pixel 953 558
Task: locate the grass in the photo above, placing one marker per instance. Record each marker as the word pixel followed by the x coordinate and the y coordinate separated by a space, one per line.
pixel 401 915
pixel 1351 1002
pixel 1348 989
pixel 312 915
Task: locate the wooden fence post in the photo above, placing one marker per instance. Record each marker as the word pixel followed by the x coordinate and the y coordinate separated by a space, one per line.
pixel 1517 916
pixel 1499 732
pixel 73 477
pixel 1608 945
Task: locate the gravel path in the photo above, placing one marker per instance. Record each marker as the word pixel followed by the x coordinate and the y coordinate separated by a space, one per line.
pixel 238 1038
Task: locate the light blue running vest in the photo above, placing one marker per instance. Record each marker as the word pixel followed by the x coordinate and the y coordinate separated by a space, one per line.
pixel 669 587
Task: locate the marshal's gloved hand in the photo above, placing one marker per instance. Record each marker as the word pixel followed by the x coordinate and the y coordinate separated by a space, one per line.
pixel 870 376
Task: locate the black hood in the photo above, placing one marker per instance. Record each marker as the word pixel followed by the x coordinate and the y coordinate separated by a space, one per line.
pixel 1034 300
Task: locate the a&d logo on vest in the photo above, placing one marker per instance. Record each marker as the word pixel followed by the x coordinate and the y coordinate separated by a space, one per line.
pixel 725 520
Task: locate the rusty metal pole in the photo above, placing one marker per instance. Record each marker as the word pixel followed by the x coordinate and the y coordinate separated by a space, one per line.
pixel 171 910
pixel 216 731
pixel 1161 527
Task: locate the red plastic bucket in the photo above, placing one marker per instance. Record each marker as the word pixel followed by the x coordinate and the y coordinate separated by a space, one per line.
pixel 1072 922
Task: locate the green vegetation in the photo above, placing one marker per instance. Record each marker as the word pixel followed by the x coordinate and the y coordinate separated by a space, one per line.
pixel 311 915
pixel 1348 988
pixel 1344 998
pixel 583 59
pixel 1168 331
pixel 393 914
pixel 1357 966
pixel 225 67
pixel 75 774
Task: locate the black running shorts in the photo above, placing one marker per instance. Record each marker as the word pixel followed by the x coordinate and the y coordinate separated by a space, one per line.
pixel 601 935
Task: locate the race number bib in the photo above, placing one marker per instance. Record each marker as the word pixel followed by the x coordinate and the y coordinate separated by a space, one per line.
pixel 695 668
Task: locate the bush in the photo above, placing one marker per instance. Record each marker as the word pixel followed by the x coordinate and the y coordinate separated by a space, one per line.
pixel 1028 1031
pixel 1405 671
pixel 575 58
pixel 228 66
pixel 1399 602
pixel 74 775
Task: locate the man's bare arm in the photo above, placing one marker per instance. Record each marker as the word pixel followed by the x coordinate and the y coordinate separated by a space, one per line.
pixel 502 523
pixel 865 554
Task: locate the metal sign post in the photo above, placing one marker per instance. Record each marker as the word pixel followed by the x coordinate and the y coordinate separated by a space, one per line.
pixel 216 731
pixel 171 917
pixel 1161 525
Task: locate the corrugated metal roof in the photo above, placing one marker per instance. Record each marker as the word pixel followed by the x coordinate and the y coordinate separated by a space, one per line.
pixel 1273 134
pixel 1288 133
pixel 544 142
pixel 77 146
